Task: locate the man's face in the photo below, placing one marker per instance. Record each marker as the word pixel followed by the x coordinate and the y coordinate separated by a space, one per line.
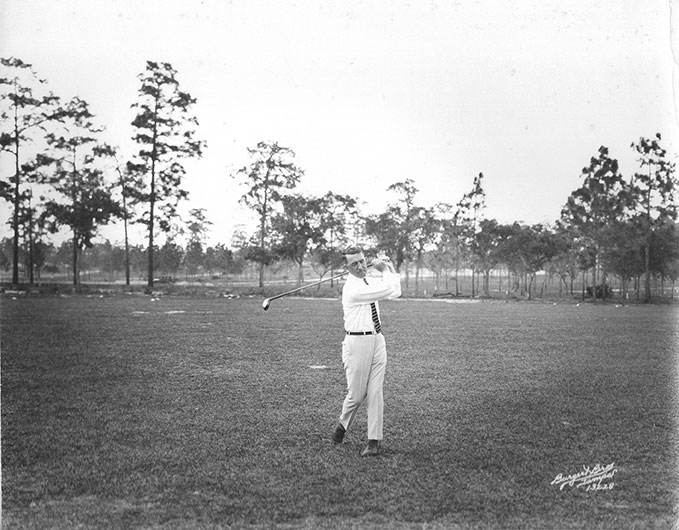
pixel 356 265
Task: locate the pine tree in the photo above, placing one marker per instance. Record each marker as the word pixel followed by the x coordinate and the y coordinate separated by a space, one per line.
pixel 25 109
pixel 165 130
pixel 74 170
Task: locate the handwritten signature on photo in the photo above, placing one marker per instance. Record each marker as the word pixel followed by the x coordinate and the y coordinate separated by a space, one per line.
pixel 590 478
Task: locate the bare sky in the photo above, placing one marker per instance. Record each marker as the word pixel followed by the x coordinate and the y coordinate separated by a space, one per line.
pixel 373 92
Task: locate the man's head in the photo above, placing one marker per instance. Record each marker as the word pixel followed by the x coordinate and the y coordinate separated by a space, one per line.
pixel 355 262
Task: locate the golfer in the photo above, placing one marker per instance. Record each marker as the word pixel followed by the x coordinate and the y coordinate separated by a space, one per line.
pixel 364 351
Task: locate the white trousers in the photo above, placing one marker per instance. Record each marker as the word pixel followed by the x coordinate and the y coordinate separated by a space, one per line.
pixel 365 361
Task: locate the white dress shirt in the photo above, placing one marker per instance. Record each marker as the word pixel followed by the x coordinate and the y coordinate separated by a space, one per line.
pixel 357 296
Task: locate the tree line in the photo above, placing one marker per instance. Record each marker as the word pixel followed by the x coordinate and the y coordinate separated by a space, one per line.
pixel 65 176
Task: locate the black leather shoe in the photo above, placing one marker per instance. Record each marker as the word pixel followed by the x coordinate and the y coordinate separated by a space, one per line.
pixel 372 449
pixel 338 435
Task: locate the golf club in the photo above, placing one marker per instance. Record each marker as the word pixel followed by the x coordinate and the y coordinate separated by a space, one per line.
pixel 266 303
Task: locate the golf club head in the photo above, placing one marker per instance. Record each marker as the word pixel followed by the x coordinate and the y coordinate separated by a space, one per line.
pixel 266 303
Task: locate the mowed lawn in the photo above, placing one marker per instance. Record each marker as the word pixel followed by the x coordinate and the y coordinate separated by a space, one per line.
pixel 133 412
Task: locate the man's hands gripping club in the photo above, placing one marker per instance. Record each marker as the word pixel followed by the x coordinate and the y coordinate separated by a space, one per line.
pixel 382 263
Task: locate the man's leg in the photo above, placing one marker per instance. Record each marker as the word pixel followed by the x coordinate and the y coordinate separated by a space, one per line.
pixel 357 361
pixel 374 399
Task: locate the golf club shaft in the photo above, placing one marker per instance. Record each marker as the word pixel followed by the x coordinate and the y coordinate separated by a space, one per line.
pixel 307 286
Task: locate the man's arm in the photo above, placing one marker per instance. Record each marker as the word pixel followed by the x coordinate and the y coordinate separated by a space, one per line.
pixel 390 275
pixel 385 288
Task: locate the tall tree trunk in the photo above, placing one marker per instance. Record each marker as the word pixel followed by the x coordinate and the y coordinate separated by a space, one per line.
pixel 127 257
pixel 17 201
pixel 152 206
pixel 594 281
pixel 457 272
pixel 584 283
pixel 262 229
pixel 31 249
pixel 407 267
pixel 417 278
pixel 152 202
pixel 647 249
pixel 127 245
pixel 76 275
pixel 647 271
pixel 149 271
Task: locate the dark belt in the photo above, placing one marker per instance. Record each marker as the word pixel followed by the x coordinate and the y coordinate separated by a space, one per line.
pixel 361 333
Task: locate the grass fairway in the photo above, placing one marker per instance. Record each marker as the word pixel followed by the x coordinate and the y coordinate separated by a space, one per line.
pixel 128 412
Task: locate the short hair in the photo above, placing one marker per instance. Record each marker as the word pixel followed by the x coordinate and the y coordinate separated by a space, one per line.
pixel 351 250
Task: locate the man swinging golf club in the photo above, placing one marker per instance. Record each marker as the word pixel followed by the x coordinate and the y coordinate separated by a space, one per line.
pixel 364 351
